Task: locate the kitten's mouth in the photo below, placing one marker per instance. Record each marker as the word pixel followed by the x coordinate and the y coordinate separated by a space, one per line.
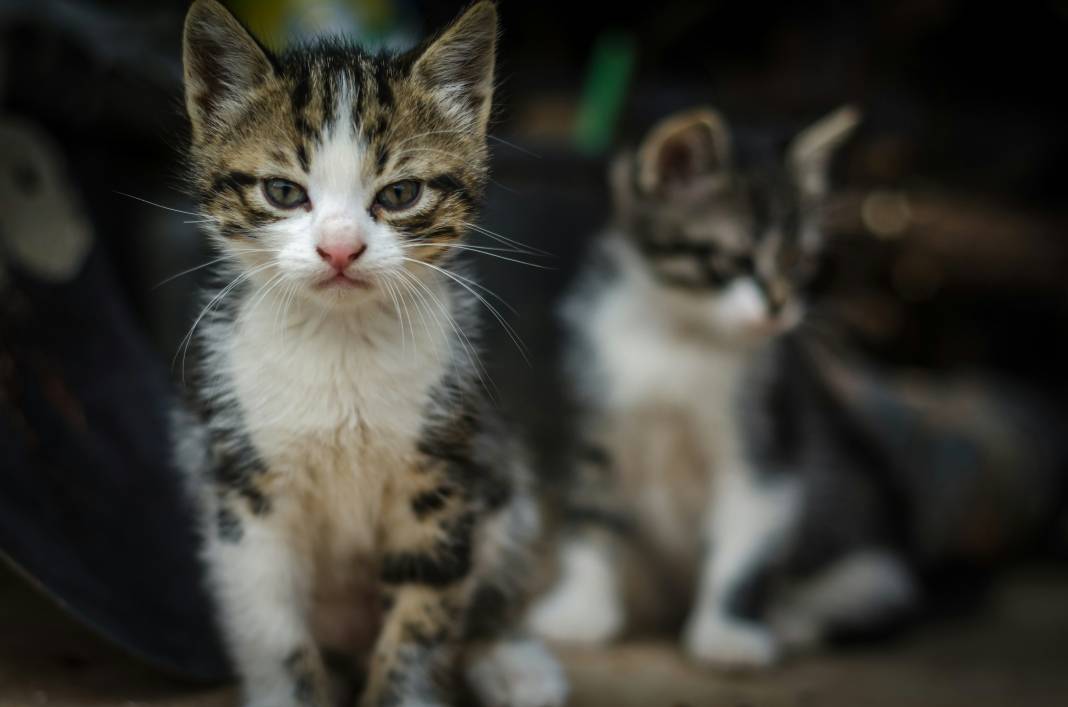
pixel 342 281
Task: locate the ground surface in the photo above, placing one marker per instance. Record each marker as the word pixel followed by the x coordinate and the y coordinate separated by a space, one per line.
pixel 1014 653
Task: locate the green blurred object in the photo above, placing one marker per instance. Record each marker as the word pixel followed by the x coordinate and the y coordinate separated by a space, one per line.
pixel 606 86
pixel 375 24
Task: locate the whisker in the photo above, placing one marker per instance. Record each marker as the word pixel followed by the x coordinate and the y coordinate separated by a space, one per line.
pixel 512 334
pixel 411 330
pixel 290 295
pixel 479 250
pixel 161 283
pixel 221 258
pixel 387 283
pixel 420 306
pixel 488 291
pixel 512 145
pixel 161 206
pixel 423 309
pixel 498 249
pixel 507 241
pixel 464 341
pixel 265 289
pixel 183 347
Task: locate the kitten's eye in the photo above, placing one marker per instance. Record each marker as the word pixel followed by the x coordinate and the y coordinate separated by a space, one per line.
pixel 284 194
pixel 399 195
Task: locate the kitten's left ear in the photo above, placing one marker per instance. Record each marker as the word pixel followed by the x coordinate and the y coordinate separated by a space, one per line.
pixel 810 153
pixel 457 67
pixel 681 149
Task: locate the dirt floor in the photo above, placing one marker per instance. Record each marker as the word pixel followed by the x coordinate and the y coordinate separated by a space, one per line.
pixel 1015 652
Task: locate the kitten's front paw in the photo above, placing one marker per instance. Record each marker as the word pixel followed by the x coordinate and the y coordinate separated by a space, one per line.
pixel 403 701
pixel 287 696
pixel 287 700
pixel 577 615
pixel 520 673
pixel 585 608
pixel 720 641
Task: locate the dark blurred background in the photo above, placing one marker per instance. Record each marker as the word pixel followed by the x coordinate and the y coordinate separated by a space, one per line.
pixel 949 271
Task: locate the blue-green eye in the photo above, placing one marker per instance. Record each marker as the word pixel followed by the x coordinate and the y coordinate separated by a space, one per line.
pixel 399 195
pixel 284 194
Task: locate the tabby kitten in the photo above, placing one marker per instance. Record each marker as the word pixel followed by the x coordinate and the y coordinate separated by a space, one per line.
pixel 683 359
pixel 358 498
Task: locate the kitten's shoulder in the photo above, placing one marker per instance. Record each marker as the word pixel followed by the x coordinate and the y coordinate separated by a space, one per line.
pixel 607 267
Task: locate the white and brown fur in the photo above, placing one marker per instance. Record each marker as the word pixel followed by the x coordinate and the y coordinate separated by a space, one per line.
pixel 359 499
pixel 681 347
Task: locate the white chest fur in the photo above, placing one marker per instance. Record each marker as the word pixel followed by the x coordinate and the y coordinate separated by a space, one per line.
pixel 643 360
pixel 334 405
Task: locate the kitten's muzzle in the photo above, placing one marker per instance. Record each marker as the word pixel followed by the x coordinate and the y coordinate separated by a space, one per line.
pixel 343 281
pixel 341 255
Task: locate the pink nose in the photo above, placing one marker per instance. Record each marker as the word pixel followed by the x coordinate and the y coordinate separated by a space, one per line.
pixel 341 256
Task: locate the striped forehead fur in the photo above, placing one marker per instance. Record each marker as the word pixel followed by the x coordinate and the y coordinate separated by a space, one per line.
pixel 411 115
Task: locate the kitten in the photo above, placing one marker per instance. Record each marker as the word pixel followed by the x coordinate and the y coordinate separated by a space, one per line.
pixel 359 499
pixel 692 472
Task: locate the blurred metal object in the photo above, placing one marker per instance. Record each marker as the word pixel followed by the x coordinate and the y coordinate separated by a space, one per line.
pixel 90 507
pixel 90 510
pixel 43 225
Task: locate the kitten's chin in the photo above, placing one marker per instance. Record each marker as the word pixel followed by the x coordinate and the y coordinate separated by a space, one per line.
pixel 342 291
pixel 340 282
pixel 756 331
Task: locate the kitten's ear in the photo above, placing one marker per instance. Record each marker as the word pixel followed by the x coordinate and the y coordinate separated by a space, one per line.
pixel 810 153
pixel 682 148
pixel 223 63
pixel 457 66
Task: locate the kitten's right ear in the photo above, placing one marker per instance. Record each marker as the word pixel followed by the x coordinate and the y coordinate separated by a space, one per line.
pixel 457 67
pixel 811 151
pixel 681 148
pixel 223 63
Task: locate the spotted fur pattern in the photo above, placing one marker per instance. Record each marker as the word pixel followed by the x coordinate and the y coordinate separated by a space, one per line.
pixel 359 498
pixel 678 331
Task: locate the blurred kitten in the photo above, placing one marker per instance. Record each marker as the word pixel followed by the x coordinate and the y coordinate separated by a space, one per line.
pixel 702 437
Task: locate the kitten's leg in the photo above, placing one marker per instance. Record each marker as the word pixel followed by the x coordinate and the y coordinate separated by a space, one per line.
pixel 428 580
pixel 515 672
pixel 258 586
pixel 256 582
pixel 751 515
pixel 860 591
pixel 504 668
pixel 415 656
pixel 421 644
pixel 587 604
